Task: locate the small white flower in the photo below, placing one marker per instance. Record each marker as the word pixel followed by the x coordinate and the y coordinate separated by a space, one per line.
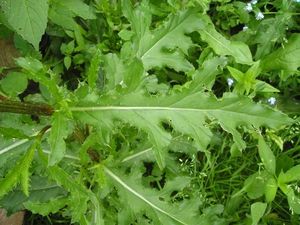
pixel 230 82
pixel 253 2
pixel 245 28
pixel 248 7
pixel 272 101
pixel 259 16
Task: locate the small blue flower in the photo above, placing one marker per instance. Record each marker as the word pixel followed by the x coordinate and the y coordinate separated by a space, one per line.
pixel 259 16
pixel 272 100
pixel 248 7
pixel 230 82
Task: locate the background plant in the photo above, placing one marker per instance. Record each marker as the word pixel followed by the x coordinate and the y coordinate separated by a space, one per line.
pixel 169 105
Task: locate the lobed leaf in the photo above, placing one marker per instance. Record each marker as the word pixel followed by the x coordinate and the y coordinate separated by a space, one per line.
pixel 147 201
pixel 19 173
pixel 58 133
pixel 45 208
pixel 186 112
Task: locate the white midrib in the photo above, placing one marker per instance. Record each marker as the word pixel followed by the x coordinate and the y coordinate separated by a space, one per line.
pixel 107 108
pixel 157 108
pixel 116 178
pixel 128 158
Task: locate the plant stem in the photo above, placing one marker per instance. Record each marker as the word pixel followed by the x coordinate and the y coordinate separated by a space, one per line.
pixel 25 108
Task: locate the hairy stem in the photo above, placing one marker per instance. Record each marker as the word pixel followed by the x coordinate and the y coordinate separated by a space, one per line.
pixel 25 108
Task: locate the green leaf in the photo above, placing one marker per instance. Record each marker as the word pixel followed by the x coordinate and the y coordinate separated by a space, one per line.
pixel 59 131
pixel 238 50
pixel 185 112
pixel 285 58
pixel 133 75
pixel 291 175
pixel 245 81
pixel 257 211
pixel 12 133
pixel 159 48
pixel 148 201
pixel 92 73
pixel 27 17
pixel 255 184
pixel 62 17
pixel 114 69
pixel 261 86
pixel 67 62
pixel 14 83
pixel 271 189
pixel 77 7
pixel 45 208
pixel 79 195
pixel 205 76
pixel 294 201
pixel 269 32
pixel 41 190
pixel 266 155
pixel 19 173
pixel 35 70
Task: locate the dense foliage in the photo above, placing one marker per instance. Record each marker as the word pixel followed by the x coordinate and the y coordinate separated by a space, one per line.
pixel 152 112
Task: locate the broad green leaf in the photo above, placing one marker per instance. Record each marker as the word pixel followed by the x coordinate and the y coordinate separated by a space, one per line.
pixel 59 131
pixel 20 173
pixel 255 184
pixel 27 17
pixel 62 17
pixel 291 175
pixel 257 211
pixel 45 208
pixel 14 83
pixel 285 58
pixel 185 112
pixel 271 189
pixel 238 50
pixel 266 155
pixel 78 7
